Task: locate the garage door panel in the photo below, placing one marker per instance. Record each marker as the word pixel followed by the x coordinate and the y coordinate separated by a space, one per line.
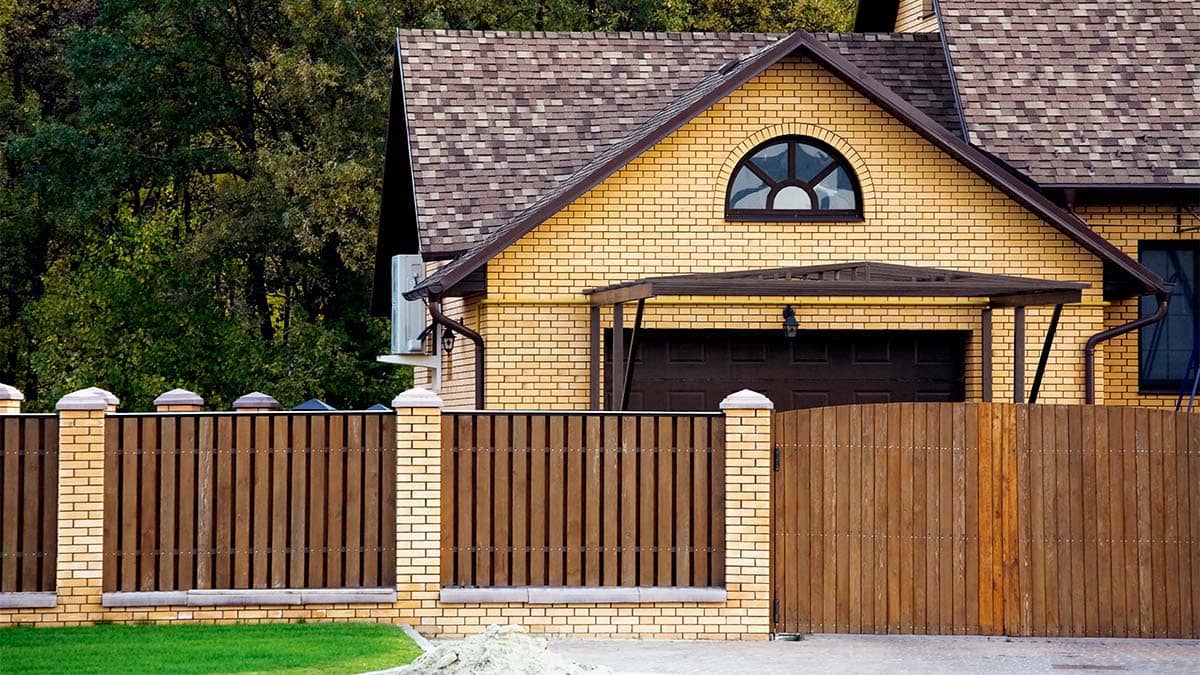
pixel 861 396
pixel 807 350
pixel 690 370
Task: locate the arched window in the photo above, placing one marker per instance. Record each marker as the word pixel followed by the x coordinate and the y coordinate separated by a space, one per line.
pixel 793 178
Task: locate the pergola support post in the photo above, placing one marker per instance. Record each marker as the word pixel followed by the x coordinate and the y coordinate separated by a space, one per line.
pixel 1018 354
pixel 627 381
pixel 1045 357
pixel 618 358
pixel 594 360
pixel 985 337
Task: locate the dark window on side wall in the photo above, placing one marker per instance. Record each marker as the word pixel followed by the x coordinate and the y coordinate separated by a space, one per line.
pixel 793 178
pixel 926 9
pixel 1165 348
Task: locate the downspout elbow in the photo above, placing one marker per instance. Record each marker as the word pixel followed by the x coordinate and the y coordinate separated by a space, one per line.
pixel 1089 350
pixel 435 311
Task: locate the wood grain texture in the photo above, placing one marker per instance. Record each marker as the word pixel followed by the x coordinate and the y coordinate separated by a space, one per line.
pixel 596 500
pixel 993 518
pixel 29 504
pixel 246 501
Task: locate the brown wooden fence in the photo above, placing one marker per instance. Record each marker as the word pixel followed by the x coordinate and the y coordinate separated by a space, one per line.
pixel 236 500
pixel 29 504
pixel 582 499
pixel 987 518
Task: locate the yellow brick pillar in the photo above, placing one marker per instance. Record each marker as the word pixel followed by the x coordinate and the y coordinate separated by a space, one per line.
pixel 418 506
pixel 748 514
pixel 10 400
pixel 81 504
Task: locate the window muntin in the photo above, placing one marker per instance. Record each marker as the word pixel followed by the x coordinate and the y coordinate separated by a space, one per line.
pixel 793 178
pixel 1165 348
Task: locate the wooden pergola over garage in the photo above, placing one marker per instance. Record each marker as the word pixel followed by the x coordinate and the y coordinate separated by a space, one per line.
pixel 859 279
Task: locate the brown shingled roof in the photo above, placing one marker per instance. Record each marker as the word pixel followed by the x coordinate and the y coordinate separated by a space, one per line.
pixel 1074 93
pixel 720 83
pixel 497 119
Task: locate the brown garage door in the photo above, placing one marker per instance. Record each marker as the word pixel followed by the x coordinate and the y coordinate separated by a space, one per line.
pixel 694 369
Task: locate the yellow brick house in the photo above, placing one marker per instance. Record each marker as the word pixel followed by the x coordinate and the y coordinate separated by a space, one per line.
pixel 827 219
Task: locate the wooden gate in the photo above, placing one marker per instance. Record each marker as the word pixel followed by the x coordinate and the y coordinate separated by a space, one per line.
pixel 971 518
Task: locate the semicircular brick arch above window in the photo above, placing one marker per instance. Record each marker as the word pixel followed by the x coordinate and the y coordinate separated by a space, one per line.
pixel 793 178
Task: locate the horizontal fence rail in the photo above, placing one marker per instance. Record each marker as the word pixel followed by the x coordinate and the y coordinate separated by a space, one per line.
pixel 249 501
pixel 1058 520
pixel 578 499
pixel 29 503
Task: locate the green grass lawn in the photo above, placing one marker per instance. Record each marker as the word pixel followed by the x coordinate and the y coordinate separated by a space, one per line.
pixel 183 648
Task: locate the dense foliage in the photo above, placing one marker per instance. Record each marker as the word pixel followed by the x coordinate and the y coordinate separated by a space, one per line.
pixel 189 188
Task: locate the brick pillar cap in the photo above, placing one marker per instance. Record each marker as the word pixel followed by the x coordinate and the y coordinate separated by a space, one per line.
pixel 9 393
pixel 256 399
pixel 84 399
pixel 417 397
pixel 746 400
pixel 109 397
pixel 179 397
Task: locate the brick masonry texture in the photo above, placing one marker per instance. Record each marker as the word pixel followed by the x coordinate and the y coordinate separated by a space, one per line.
pixel 663 213
pixel 744 615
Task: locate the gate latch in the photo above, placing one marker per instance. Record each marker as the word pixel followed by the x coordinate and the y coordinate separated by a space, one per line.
pixel 775 459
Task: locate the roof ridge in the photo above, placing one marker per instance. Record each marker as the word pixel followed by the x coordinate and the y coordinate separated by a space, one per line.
pixel 458 32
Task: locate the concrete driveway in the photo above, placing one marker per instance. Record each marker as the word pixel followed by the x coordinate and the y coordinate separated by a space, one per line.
pixel 888 654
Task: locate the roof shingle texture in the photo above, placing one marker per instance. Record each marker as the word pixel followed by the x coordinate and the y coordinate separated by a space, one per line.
pixel 1090 92
pixel 497 120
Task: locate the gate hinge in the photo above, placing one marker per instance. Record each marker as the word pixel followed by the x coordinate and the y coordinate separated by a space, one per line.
pixel 775 612
pixel 775 459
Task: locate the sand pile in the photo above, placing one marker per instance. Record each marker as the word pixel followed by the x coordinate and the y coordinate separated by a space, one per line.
pixel 499 650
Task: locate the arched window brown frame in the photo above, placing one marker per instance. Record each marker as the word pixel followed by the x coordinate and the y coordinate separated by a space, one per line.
pixel 806 171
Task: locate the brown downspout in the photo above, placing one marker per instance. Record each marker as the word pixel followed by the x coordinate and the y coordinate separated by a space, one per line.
pixel 435 310
pixel 1089 351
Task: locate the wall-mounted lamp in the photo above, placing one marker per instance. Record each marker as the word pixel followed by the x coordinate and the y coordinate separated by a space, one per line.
pixel 790 325
pixel 447 340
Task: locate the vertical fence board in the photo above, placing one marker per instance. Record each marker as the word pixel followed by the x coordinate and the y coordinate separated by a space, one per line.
pixel 646 504
pixel 538 457
pixel 112 506
pixel 556 525
pixel 613 443
pixel 205 475
pixel 10 526
pixel 482 535
pixel 167 504
pixel 520 502
pixel 261 505
pixel 631 445
pixel 502 480
pixel 682 486
pixel 1103 523
pixel 593 515
pixel 665 513
pixel 281 444
pixel 575 501
pixel 242 499
pixel 701 521
pixel 318 458
pixel 335 527
pixel 187 502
